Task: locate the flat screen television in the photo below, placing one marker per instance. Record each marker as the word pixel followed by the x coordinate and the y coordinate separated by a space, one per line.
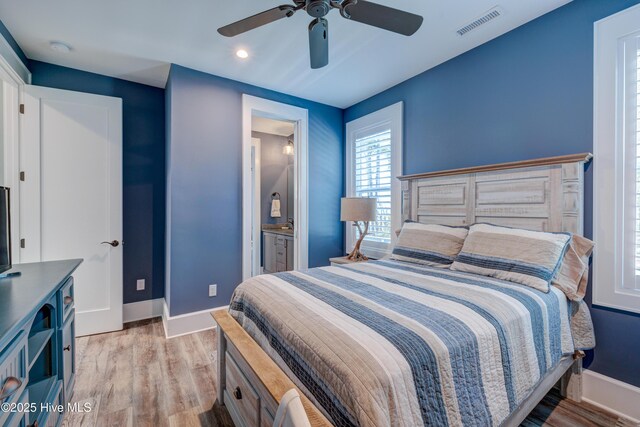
pixel 5 230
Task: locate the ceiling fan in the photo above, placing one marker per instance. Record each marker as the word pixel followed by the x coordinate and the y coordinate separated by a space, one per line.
pixel 366 12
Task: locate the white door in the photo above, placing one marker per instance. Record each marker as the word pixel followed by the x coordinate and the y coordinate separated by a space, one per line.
pixel 71 198
pixel 256 222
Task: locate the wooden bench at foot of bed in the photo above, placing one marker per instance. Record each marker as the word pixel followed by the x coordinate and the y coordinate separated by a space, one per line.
pixel 250 384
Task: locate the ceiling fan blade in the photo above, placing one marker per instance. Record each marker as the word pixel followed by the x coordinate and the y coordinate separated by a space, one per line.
pixel 319 42
pixel 384 17
pixel 257 20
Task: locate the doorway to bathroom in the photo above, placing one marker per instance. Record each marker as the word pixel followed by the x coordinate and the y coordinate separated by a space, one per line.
pixel 275 232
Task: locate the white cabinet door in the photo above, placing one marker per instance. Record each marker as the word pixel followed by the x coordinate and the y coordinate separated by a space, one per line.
pixel 71 199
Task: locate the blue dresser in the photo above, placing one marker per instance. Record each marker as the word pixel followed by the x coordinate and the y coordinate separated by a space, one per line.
pixel 37 344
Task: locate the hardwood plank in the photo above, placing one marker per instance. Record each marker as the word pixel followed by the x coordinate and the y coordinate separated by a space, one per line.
pixel 204 380
pixel 148 396
pixel 193 352
pixel 208 340
pixel 118 387
pixel 121 418
pixel 175 377
pixel 80 419
pixel 81 346
pixel 586 411
pixel 146 344
pixel 190 418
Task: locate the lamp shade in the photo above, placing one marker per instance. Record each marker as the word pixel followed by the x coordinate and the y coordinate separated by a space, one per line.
pixel 358 209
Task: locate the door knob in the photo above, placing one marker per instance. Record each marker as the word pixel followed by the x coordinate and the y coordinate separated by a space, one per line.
pixel 113 243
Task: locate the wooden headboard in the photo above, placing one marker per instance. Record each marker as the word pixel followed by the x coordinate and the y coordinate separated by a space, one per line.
pixel 543 194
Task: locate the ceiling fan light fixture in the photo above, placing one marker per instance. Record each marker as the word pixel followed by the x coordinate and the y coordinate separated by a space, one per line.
pixel 242 54
pixel 363 11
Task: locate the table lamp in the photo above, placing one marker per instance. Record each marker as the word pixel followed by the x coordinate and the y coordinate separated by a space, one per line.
pixel 358 209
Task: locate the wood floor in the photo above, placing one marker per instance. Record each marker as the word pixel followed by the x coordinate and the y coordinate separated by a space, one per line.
pixel 136 377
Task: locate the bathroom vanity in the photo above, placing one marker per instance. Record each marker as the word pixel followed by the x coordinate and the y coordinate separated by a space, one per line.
pixel 37 343
pixel 277 249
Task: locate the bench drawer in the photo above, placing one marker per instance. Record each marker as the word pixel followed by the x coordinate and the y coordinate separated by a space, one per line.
pixel 13 365
pixel 266 419
pixel 240 395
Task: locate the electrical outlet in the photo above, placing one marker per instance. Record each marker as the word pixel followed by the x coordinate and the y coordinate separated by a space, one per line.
pixel 140 285
pixel 213 290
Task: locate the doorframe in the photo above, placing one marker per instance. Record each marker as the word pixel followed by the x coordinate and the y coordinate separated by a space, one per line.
pixel 254 106
pixel 13 76
pixel 257 208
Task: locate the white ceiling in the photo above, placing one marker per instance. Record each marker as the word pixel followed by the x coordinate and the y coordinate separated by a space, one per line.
pixel 137 40
pixel 273 127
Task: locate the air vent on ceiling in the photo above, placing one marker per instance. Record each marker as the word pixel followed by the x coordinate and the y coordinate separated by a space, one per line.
pixel 489 16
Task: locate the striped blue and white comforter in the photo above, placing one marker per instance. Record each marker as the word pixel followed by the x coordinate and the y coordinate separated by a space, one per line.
pixel 390 343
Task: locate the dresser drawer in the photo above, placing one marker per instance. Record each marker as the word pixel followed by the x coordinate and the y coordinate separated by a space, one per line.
pixel 240 397
pixel 50 417
pixel 68 362
pixel 13 366
pixel 20 419
pixel 54 418
pixel 65 298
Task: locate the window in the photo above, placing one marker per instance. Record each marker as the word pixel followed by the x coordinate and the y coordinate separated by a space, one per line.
pixel 617 161
pixel 374 160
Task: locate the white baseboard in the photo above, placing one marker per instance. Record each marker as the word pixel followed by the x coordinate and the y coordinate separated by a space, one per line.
pixel 184 324
pixel 142 310
pixel 612 395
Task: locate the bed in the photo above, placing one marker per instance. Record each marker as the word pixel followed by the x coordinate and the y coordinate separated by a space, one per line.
pixel 395 343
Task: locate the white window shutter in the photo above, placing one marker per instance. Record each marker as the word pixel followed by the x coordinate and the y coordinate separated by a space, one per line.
pixel 373 163
pixel 616 209
pixel 373 179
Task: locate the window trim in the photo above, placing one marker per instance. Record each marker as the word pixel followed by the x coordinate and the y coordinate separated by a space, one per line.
pixel 393 115
pixel 608 126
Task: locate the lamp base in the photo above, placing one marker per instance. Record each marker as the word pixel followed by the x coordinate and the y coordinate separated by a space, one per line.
pixel 355 254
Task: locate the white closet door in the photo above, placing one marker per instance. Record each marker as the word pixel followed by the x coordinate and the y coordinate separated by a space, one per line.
pixel 71 199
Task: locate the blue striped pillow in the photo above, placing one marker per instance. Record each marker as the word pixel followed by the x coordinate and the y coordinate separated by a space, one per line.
pixel 429 244
pixel 521 256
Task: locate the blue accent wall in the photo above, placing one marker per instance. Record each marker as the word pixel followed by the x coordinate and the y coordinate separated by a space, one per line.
pixel 143 153
pixel 204 187
pixel 526 94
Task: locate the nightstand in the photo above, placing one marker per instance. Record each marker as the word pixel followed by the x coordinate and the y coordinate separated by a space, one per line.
pixel 342 260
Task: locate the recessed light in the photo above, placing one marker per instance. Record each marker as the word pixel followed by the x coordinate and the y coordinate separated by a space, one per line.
pixel 241 53
pixel 60 47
